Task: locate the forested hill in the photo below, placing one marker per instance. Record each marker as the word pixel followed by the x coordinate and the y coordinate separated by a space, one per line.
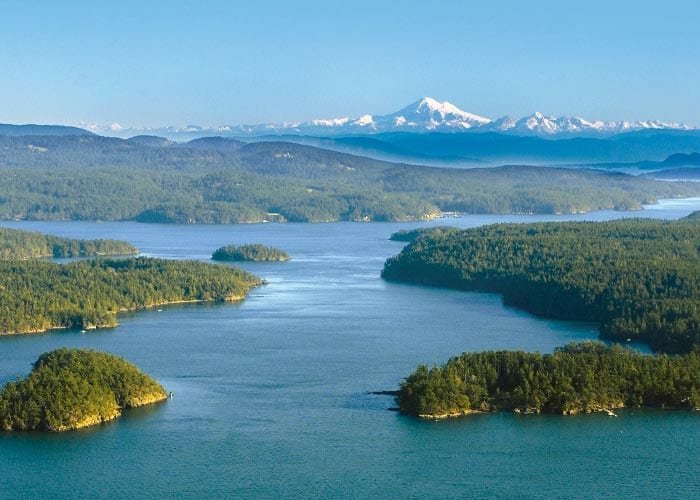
pixel 638 278
pixel 70 389
pixel 218 181
pixel 18 244
pixel 19 130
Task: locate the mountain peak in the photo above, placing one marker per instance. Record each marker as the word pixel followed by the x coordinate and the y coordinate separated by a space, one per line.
pixel 435 105
pixel 435 115
pixel 429 102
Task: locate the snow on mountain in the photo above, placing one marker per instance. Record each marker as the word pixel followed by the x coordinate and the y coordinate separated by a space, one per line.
pixel 430 114
pixel 539 124
pixel 424 115
pixel 364 121
pixel 568 126
pixel 331 123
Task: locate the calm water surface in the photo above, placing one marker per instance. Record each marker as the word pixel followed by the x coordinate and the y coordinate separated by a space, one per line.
pixel 271 395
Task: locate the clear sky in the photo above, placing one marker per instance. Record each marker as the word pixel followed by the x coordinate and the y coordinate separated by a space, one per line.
pixel 216 62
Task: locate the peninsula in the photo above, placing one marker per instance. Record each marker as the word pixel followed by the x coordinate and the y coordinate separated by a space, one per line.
pixel 38 295
pixel 19 244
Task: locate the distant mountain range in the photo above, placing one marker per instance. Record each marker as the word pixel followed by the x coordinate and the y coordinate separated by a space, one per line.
pixel 423 116
pixel 433 133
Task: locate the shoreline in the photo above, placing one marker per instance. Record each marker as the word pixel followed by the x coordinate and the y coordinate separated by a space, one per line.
pixel 446 214
pixel 232 298
pixel 93 420
pixel 609 410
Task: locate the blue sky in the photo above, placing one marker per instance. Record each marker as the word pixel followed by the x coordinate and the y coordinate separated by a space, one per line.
pixel 151 63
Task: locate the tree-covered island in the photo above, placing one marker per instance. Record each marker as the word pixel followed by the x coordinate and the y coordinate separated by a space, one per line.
pixel 638 278
pixel 70 388
pixel 250 252
pixel 38 295
pixel 578 378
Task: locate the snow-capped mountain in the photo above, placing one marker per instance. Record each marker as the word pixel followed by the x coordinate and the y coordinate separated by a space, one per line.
pixel 424 115
pixel 429 114
pixel 541 125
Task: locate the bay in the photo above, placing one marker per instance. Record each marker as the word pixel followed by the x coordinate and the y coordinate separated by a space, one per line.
pixel 272 394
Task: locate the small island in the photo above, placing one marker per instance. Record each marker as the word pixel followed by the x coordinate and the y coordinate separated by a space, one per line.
pixel 250 252
pixel 71 388
pixel 578 378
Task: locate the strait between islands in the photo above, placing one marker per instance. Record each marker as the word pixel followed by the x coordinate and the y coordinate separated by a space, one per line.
pixel 638 278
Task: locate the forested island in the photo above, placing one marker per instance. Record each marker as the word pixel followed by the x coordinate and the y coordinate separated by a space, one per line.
pixel 19 244
pixel 638 278
pixel 410 235
pixel 69 389
pixel 37 295
pixel 577 378
pixel 250 252
pixel 99 178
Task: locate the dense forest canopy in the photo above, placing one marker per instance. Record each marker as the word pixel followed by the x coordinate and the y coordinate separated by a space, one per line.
pixel 577 378
pixel 249 252
pixel 38 295
pixel 71 388
pixel 638 278
pixel 18 244
pixel 99 178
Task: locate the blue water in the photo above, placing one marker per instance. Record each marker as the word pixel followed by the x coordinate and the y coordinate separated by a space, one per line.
pixel 271 395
